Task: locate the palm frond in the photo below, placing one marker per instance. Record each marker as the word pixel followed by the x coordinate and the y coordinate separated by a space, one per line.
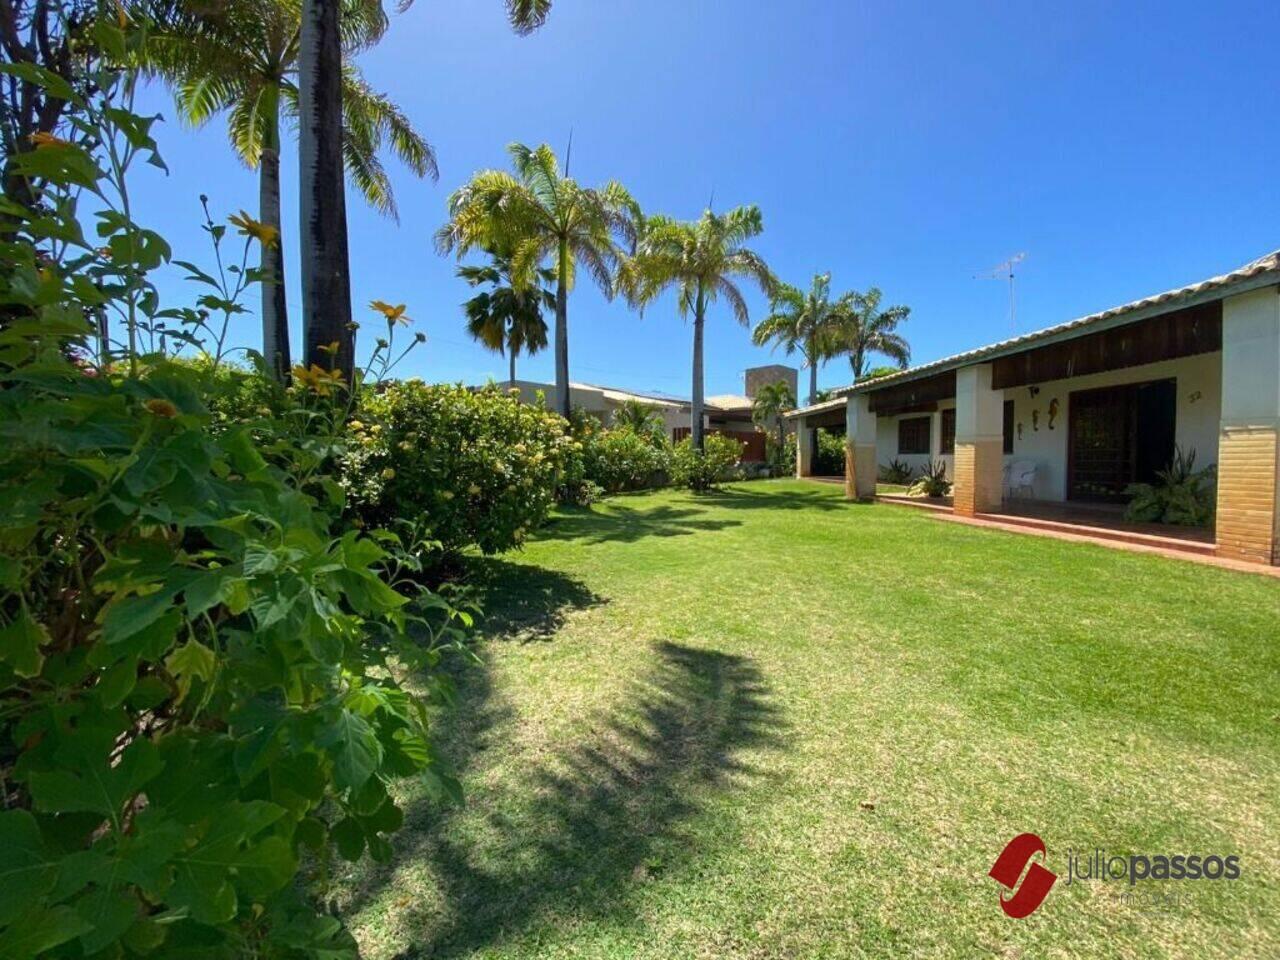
pixel 526 16
pixel 248 120
pixel 726 288
pixel 380 119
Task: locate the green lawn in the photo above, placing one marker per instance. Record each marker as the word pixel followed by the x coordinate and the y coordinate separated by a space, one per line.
pixel 767 723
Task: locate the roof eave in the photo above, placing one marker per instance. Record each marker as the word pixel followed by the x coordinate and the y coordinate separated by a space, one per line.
pixel 1106 320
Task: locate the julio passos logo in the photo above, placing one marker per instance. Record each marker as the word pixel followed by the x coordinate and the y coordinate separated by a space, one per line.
pixel 1013 859
pixel 1024 898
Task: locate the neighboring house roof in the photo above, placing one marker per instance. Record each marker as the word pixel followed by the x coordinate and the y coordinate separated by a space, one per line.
pixel 622 396
pixel 1261 272
pixel 729 402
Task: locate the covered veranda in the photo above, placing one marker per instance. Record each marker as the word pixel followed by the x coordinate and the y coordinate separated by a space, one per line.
pixel 1050 430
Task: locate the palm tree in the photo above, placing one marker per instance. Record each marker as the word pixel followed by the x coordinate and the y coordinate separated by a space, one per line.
pixel 701 260
pixel 638 417
pixel 244 61
pixel 805 322
pixel 868 329
pixel 541 215
pixel 504 319
pixel 326 280
pixel 771 401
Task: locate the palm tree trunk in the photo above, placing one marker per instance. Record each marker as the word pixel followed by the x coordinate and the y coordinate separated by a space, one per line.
pixel 563 401
pixel 326 281
pixel 275 311
pixel 813 380
pixel 512 381
pixel 695 406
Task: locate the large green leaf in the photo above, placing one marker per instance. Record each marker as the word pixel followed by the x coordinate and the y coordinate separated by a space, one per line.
pixel 127 616
pixel 230 850
pixel 27 870
pixel 20 644
pixel 87 781
pixel 39 930
pixel 355 749
pixel 191 661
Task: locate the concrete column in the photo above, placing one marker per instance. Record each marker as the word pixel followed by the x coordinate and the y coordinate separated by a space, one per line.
pixel 804 449
pixel 860 466
pixel 979 442
pixel 1248 522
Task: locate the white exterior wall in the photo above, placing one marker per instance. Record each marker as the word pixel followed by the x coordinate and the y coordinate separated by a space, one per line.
pixel 1199 392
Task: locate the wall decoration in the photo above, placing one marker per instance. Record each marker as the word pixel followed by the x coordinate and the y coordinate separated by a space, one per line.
pixel 1035 420
pixel 1019 431
pixel 1034 391
pixel 1196 395
pixel 1053 411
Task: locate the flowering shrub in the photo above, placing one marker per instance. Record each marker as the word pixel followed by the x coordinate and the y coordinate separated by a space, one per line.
pixel 703 469
pixel 622 459
pixel 625 457
pixel 201 694
pixel 469 467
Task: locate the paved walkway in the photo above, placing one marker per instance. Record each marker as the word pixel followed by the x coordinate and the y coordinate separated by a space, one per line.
pixel 1200 553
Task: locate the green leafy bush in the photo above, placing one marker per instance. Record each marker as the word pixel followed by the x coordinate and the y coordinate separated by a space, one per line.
pixel 623 459
pixel 633 455
pixel 201 673
pixel 468 467
pixel 1182 495
pixel 703 469
pixel 828 458
pixel 199 678
pixel 932 481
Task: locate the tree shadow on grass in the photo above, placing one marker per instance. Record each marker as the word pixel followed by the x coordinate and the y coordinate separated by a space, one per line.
pixel 582 830
pixel 524 602
pixel 623 524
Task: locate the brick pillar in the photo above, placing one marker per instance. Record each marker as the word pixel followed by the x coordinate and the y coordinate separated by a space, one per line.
pixel 804 449
pixel 1248 521
pixel 979 458
pixel 860 466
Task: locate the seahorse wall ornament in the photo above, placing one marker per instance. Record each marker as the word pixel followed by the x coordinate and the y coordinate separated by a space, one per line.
pixel 1053 411
pixel 1035 420
pixel 1019 430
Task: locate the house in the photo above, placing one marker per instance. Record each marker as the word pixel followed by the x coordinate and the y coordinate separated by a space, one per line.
pixel 730 414
pixel 1087 407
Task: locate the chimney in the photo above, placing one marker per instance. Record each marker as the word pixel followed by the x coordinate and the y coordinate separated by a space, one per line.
pixel 757 377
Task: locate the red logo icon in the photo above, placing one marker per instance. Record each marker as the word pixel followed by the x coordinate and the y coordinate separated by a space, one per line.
pixel 1008 868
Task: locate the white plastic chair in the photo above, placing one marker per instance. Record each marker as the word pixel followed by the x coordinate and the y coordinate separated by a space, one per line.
pixel 1020 476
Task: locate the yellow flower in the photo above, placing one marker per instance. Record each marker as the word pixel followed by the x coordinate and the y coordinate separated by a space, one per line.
pixel 262 232
pixel 43 139
pixel 357 426
pixel 474 489
pixel 394 314
pixel 446 494
pixel 318 379
pixel 388 474
pixel 330 348
pixel 161 408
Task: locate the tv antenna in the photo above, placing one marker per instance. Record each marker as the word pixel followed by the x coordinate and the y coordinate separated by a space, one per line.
pixel 1004 271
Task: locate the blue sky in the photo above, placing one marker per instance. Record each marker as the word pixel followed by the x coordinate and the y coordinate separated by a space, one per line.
pixel 1126 148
